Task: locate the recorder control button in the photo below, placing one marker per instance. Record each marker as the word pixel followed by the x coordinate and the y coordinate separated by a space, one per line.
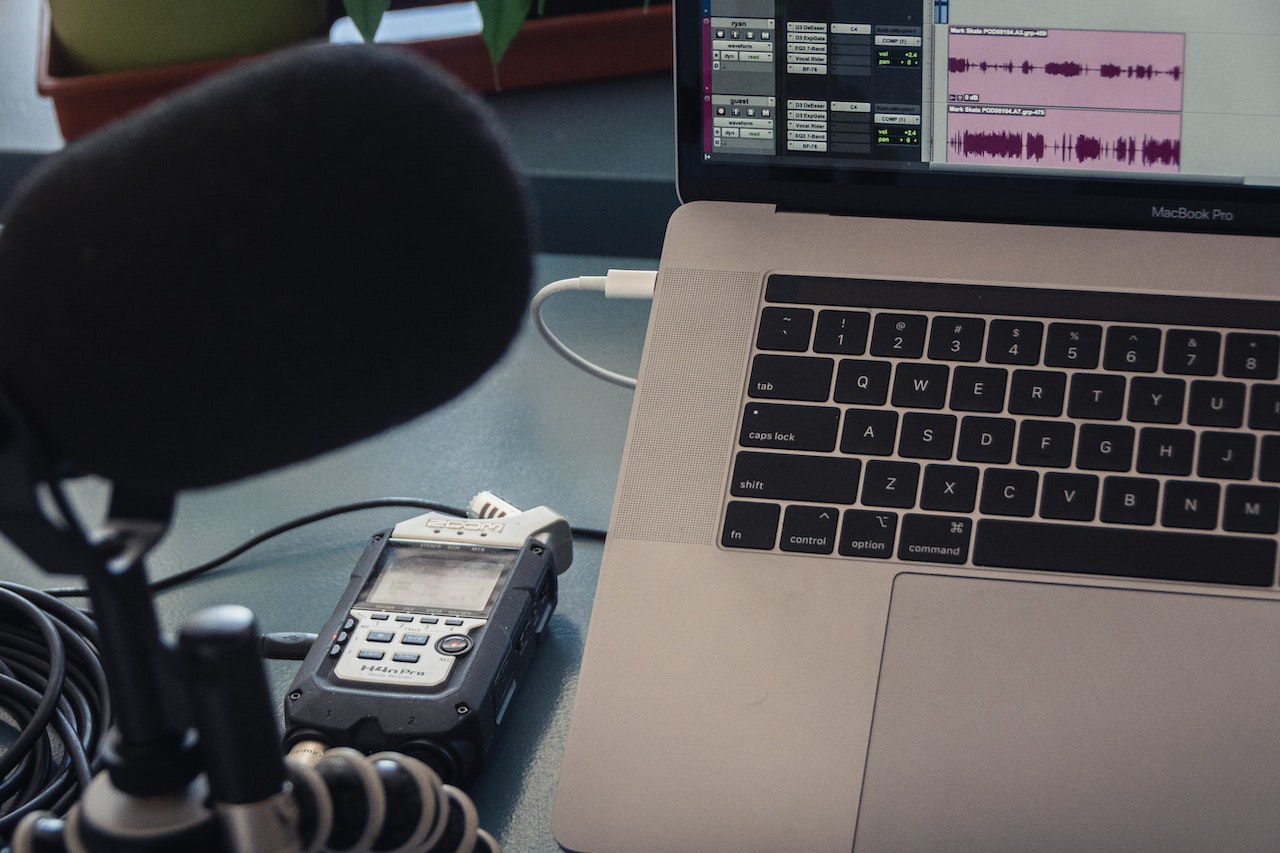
pixel 335 650
pixel 454 644
pixel 380 617
pixel 370 654
pixel 453 621
pixel 381 636
pixel 414 639
pixel 405 657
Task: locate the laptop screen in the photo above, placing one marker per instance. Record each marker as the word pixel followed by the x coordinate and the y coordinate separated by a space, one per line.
pixel 1159 114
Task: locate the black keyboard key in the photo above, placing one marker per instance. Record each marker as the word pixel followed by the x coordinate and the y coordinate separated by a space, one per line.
pixel 1009 492
pixel 1070 497
pixel 785 329
pixel 1269 459
pixel 927 436
pixel 1216 404
pixel 1129 500
pixel 890 484
pixel 864 383
pixel 1129 552
pixel 1096 396
pixel 1264 408
pixel 978 389
pixel 1074 345
pixel 809 529
pixel 1166 451
pixel 935 539
pixel 956 338
pixel 750 525
pixel 1251 509
pixel 1190 504
pixel 949 488
pixel 868 533
pixel 1046 444
pixel 791 377
pixel 1251 356
pixel 843 332
pixel 782 427
pixel 1226 456
pixel 795 477
pixel 899 335
pixel 1105 447
pixel 1154 400
pixel 1132 348
pixel 1038 393
pixel 869 432
pixel 985 440
pixel 920 386
pixel 1191 353
pixel 1014 342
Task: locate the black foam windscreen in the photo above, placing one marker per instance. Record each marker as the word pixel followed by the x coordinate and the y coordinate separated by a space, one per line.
pixel 284 259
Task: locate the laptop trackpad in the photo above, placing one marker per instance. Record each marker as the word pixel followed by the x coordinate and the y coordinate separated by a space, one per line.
pixel 1019 716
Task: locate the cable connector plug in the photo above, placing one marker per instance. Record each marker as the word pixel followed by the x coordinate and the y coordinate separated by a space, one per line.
pixel 622 284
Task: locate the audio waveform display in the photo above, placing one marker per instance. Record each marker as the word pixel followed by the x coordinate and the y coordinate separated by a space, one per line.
pixel 1033 147
pixel 1066 68
pixel 1067 139
pixel 1107 70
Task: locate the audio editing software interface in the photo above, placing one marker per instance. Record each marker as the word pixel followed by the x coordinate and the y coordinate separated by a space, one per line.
pixel 1184 88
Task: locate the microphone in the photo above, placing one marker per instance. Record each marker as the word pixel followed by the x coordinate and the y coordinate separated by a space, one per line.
pixel 277 262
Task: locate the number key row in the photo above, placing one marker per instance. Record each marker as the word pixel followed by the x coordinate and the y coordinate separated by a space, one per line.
pixel 1135 349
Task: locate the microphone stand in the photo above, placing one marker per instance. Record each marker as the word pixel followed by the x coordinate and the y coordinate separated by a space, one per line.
pixel 228 789
pixel 150 758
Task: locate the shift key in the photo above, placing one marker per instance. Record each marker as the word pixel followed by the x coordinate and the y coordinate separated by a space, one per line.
pixel 795 477
pixel 812 428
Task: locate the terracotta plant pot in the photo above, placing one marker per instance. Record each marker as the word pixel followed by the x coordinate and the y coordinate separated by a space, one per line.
pixel 548 51
pixel 120 35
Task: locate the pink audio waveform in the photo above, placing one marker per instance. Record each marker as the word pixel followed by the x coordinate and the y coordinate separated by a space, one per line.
pixel 1083 149
pixel 1067 139
pixel 1107 70
pixel 1067 68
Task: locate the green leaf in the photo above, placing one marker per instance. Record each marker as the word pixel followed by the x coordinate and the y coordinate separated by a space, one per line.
pixel 501 20
pixel 366 15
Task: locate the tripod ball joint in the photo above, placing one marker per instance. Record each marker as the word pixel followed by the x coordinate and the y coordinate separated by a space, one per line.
pixel 39 832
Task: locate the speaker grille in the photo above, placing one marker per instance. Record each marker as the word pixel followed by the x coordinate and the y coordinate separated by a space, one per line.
pixel 686 414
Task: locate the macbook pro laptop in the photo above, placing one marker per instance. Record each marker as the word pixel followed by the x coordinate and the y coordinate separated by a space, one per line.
pixel 947 518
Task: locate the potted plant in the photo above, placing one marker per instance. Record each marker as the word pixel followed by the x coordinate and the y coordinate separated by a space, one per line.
pixel 100 59
pixel 158 49
pixel 117 35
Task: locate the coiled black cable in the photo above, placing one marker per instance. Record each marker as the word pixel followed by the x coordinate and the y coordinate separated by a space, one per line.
pixel 53 687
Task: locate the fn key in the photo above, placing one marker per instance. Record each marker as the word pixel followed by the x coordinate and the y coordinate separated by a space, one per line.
pixel 750 525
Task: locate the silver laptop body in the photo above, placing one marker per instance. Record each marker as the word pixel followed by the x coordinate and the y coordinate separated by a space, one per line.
pixel 907 609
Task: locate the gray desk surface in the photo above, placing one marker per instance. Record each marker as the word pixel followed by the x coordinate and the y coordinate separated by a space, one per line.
pixel 534 430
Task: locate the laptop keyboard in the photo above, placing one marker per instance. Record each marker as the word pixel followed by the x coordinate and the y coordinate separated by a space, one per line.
pixel 1003 427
